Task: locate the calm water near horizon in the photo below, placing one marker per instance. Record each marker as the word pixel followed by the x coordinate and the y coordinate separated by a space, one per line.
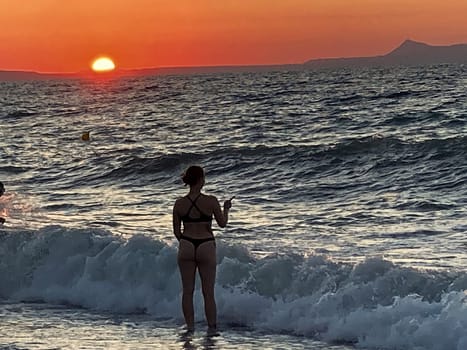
pixel 348 227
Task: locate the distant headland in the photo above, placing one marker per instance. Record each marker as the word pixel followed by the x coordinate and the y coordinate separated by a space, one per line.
pixel 408 53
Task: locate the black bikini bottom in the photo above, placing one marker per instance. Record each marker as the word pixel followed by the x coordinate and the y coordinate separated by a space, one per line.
pixel 197 241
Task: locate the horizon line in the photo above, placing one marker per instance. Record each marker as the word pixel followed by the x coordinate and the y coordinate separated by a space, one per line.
pixel 90 71
pixel 118 69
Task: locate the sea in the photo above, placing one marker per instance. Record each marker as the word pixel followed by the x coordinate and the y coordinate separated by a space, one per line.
pixel 348 229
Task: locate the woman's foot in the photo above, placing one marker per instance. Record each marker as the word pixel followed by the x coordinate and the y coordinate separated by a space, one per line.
pixel 212 331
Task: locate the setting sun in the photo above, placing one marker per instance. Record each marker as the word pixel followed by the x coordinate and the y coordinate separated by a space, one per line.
pixel 103 64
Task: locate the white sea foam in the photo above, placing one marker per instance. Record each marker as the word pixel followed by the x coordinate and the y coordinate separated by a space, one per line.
pixel 375 303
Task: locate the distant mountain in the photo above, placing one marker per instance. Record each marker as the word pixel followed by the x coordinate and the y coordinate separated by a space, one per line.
pixel 29 75
pixel 7 75
pixel 208 69
pixel 408 53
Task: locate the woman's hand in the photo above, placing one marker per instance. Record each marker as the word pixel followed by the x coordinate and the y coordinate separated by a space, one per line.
pixel 228 203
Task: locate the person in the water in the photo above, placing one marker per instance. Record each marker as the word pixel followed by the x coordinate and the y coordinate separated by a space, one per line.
pixel 197 247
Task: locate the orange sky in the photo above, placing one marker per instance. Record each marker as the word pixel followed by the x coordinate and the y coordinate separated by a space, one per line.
pixel 64 36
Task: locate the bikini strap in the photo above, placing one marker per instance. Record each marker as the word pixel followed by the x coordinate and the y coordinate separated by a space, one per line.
pixel 193 204
pixel 193 201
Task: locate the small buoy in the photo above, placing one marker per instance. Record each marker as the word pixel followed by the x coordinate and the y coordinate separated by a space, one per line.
pixel 85 136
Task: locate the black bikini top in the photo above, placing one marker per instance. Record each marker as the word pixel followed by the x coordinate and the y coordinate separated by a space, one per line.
pixel 202 217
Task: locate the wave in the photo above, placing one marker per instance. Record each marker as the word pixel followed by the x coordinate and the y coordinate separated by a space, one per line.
pixel 362 149
pixel 394 96
pixel 136 165
pixel 378 144
pixel 374 303
pixel 19 114
pixel 11 169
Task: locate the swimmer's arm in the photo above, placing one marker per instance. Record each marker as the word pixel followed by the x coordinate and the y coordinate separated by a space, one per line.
pixel 176 222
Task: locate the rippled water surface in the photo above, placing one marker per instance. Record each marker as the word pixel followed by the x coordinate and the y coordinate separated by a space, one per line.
pixel 350 197
pixel 355 163
pixel 23 327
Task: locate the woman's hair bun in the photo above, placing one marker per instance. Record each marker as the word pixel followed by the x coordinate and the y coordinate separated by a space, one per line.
pixel 192 175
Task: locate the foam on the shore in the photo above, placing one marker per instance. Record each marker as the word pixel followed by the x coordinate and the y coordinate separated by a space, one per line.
pixel 374 303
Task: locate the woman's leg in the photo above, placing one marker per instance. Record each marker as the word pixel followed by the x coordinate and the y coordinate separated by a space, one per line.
pixel 206 259
pixel 187 266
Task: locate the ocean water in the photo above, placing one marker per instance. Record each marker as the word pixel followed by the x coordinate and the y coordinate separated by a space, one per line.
pixel 348 227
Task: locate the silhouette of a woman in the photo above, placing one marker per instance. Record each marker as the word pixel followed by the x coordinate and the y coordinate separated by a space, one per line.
pixel 197 247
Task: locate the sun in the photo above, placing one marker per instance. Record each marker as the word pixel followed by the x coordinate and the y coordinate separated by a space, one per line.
pixel 103 64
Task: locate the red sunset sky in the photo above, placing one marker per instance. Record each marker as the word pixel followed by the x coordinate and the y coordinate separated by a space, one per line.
pixel 64 36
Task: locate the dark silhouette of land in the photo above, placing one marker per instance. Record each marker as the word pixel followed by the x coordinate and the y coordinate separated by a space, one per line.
pixel 6 75
pixel 408 53
pixel 28 75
